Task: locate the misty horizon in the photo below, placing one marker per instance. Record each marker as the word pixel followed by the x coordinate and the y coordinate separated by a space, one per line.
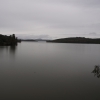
pixel 50 19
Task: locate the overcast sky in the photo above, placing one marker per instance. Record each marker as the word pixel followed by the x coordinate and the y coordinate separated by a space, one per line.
pixel 50 19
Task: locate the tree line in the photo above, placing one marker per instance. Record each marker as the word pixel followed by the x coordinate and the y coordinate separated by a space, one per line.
pixel 8 40
pixel 77 40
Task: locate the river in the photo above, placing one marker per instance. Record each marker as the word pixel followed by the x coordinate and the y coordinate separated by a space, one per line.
pixel 49 71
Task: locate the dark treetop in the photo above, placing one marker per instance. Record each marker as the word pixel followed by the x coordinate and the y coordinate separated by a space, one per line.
pixel 8 40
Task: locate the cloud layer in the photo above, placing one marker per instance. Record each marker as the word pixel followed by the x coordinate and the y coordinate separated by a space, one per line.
pixel 50 18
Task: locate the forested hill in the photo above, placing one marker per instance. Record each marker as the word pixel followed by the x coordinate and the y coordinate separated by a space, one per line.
pixel 77 40
pixel 8 40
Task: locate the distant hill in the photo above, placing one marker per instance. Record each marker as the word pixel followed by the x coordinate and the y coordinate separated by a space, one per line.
pixel 40 40
pixel 77 40
pixel 33 40
pixel 28 40
pixel 8 40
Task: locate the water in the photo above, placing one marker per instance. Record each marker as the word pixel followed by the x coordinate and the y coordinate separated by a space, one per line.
pixel 49 71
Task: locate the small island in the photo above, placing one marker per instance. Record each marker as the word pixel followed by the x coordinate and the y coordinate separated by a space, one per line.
pixel 8 40
pixel 76 40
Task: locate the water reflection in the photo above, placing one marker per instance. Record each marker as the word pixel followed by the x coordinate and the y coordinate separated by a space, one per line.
pixel 8 49
pixel 12 49
pixel 96 71
pixel 2 48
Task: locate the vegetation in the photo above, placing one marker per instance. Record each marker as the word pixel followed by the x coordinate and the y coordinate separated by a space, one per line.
pixel 96 71
pixel 8 40
pixel 76 40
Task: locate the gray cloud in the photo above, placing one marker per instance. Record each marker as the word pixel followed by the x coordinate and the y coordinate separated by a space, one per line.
pixel 93 33
pixel 54 18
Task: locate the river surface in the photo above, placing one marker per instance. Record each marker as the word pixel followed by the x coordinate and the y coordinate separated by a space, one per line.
pixel 49 71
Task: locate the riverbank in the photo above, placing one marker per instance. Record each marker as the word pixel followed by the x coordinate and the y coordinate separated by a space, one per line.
pixel 8 40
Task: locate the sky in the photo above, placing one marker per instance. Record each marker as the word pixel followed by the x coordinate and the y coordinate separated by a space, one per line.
pixel 50 19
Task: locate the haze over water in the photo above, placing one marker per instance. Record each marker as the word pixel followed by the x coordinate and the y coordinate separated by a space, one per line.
pixel 49 71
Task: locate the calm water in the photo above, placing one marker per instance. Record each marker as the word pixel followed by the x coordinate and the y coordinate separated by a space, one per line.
pixel 49 71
